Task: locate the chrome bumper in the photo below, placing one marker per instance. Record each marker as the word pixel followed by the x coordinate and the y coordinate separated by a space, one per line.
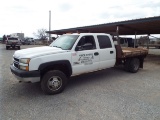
pixel 27 80
pixel 25 76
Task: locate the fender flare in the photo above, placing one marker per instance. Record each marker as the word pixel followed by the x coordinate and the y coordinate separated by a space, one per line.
pixel 52 63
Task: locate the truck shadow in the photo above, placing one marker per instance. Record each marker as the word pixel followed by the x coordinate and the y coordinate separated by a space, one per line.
pixel 95 77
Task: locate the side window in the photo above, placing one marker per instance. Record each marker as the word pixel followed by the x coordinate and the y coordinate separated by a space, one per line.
pixel 86 43
pixel 104 42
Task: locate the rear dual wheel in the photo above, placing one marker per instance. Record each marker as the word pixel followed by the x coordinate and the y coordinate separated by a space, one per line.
pixel 132 65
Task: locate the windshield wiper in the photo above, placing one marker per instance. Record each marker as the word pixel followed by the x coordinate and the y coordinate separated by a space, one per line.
pixel 57 47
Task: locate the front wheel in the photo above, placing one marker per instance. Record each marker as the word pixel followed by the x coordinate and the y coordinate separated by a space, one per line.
pixel 19 47
pixel 6 47
pixel 53 82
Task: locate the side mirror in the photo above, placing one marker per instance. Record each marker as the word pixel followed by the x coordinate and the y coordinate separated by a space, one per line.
pixel 88 46
pixel 78 48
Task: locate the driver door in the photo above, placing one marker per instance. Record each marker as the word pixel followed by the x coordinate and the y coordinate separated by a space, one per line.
pixel 86 57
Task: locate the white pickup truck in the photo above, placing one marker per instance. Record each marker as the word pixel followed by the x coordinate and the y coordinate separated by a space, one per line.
pixel 70 55
pixel 13 42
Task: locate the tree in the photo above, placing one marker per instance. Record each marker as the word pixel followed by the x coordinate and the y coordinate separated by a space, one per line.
pixel 143 40
pixel 41 34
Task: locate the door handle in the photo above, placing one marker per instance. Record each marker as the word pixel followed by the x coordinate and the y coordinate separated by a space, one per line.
pixel 111 52
pixel 96 53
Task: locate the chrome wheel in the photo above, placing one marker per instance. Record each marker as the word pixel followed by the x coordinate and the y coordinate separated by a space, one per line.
pixel 54 83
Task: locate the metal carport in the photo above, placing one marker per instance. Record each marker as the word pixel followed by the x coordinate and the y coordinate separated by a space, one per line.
pixel 143 26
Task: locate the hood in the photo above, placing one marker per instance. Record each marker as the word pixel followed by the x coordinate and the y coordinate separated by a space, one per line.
pixel 37 51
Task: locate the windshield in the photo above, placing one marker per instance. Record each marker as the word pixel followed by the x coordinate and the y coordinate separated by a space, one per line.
pixel 65 42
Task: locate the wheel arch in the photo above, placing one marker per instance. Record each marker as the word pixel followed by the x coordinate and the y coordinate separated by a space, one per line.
pixel 62 65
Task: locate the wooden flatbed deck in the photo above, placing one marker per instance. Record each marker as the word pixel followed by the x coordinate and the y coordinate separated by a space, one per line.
pixel 130 52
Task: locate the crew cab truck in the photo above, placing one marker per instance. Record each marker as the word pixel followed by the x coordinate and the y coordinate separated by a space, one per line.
pixel 13 42
pixel 71 55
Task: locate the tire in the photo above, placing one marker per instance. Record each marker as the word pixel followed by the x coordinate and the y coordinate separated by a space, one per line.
pixel 134 65
pixel 126 66
pixel 6 47
pixel 53 82
pixel 19 47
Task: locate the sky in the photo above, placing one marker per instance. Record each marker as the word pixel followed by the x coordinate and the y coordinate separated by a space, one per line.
pixel 27 16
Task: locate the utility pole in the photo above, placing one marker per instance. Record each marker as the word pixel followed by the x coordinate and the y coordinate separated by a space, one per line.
pixel 49 24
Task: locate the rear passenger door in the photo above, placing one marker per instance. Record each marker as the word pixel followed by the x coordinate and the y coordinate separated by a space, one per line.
pixel 107 52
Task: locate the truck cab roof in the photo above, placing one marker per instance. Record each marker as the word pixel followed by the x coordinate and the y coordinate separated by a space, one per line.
pixel 86 34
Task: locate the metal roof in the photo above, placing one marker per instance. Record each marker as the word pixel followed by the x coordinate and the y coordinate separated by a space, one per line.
pixel 141 26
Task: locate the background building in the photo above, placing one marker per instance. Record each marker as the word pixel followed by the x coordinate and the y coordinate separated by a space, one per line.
pixel 20 35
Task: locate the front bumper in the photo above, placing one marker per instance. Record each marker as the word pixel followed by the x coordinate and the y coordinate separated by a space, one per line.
pixel 25 76
pixel 12 45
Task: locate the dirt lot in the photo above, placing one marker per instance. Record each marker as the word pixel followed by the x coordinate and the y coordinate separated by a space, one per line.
pixel 111 94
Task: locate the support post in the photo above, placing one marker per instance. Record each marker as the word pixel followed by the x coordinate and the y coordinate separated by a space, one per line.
pixel 148 41
pixel 117 31
pixel 135 40
pixel 49 25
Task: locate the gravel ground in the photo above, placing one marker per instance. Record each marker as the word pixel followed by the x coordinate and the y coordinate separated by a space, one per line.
pixel 111 94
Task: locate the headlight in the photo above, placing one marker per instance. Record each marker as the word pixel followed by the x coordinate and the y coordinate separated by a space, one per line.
pixel 24 60
pixel 26 68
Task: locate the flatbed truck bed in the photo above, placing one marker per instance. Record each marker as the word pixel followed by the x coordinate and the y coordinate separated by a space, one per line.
pixel 131 52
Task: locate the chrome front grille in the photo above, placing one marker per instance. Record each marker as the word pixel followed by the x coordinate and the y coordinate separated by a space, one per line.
pixel 15 59
pixel 16 63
